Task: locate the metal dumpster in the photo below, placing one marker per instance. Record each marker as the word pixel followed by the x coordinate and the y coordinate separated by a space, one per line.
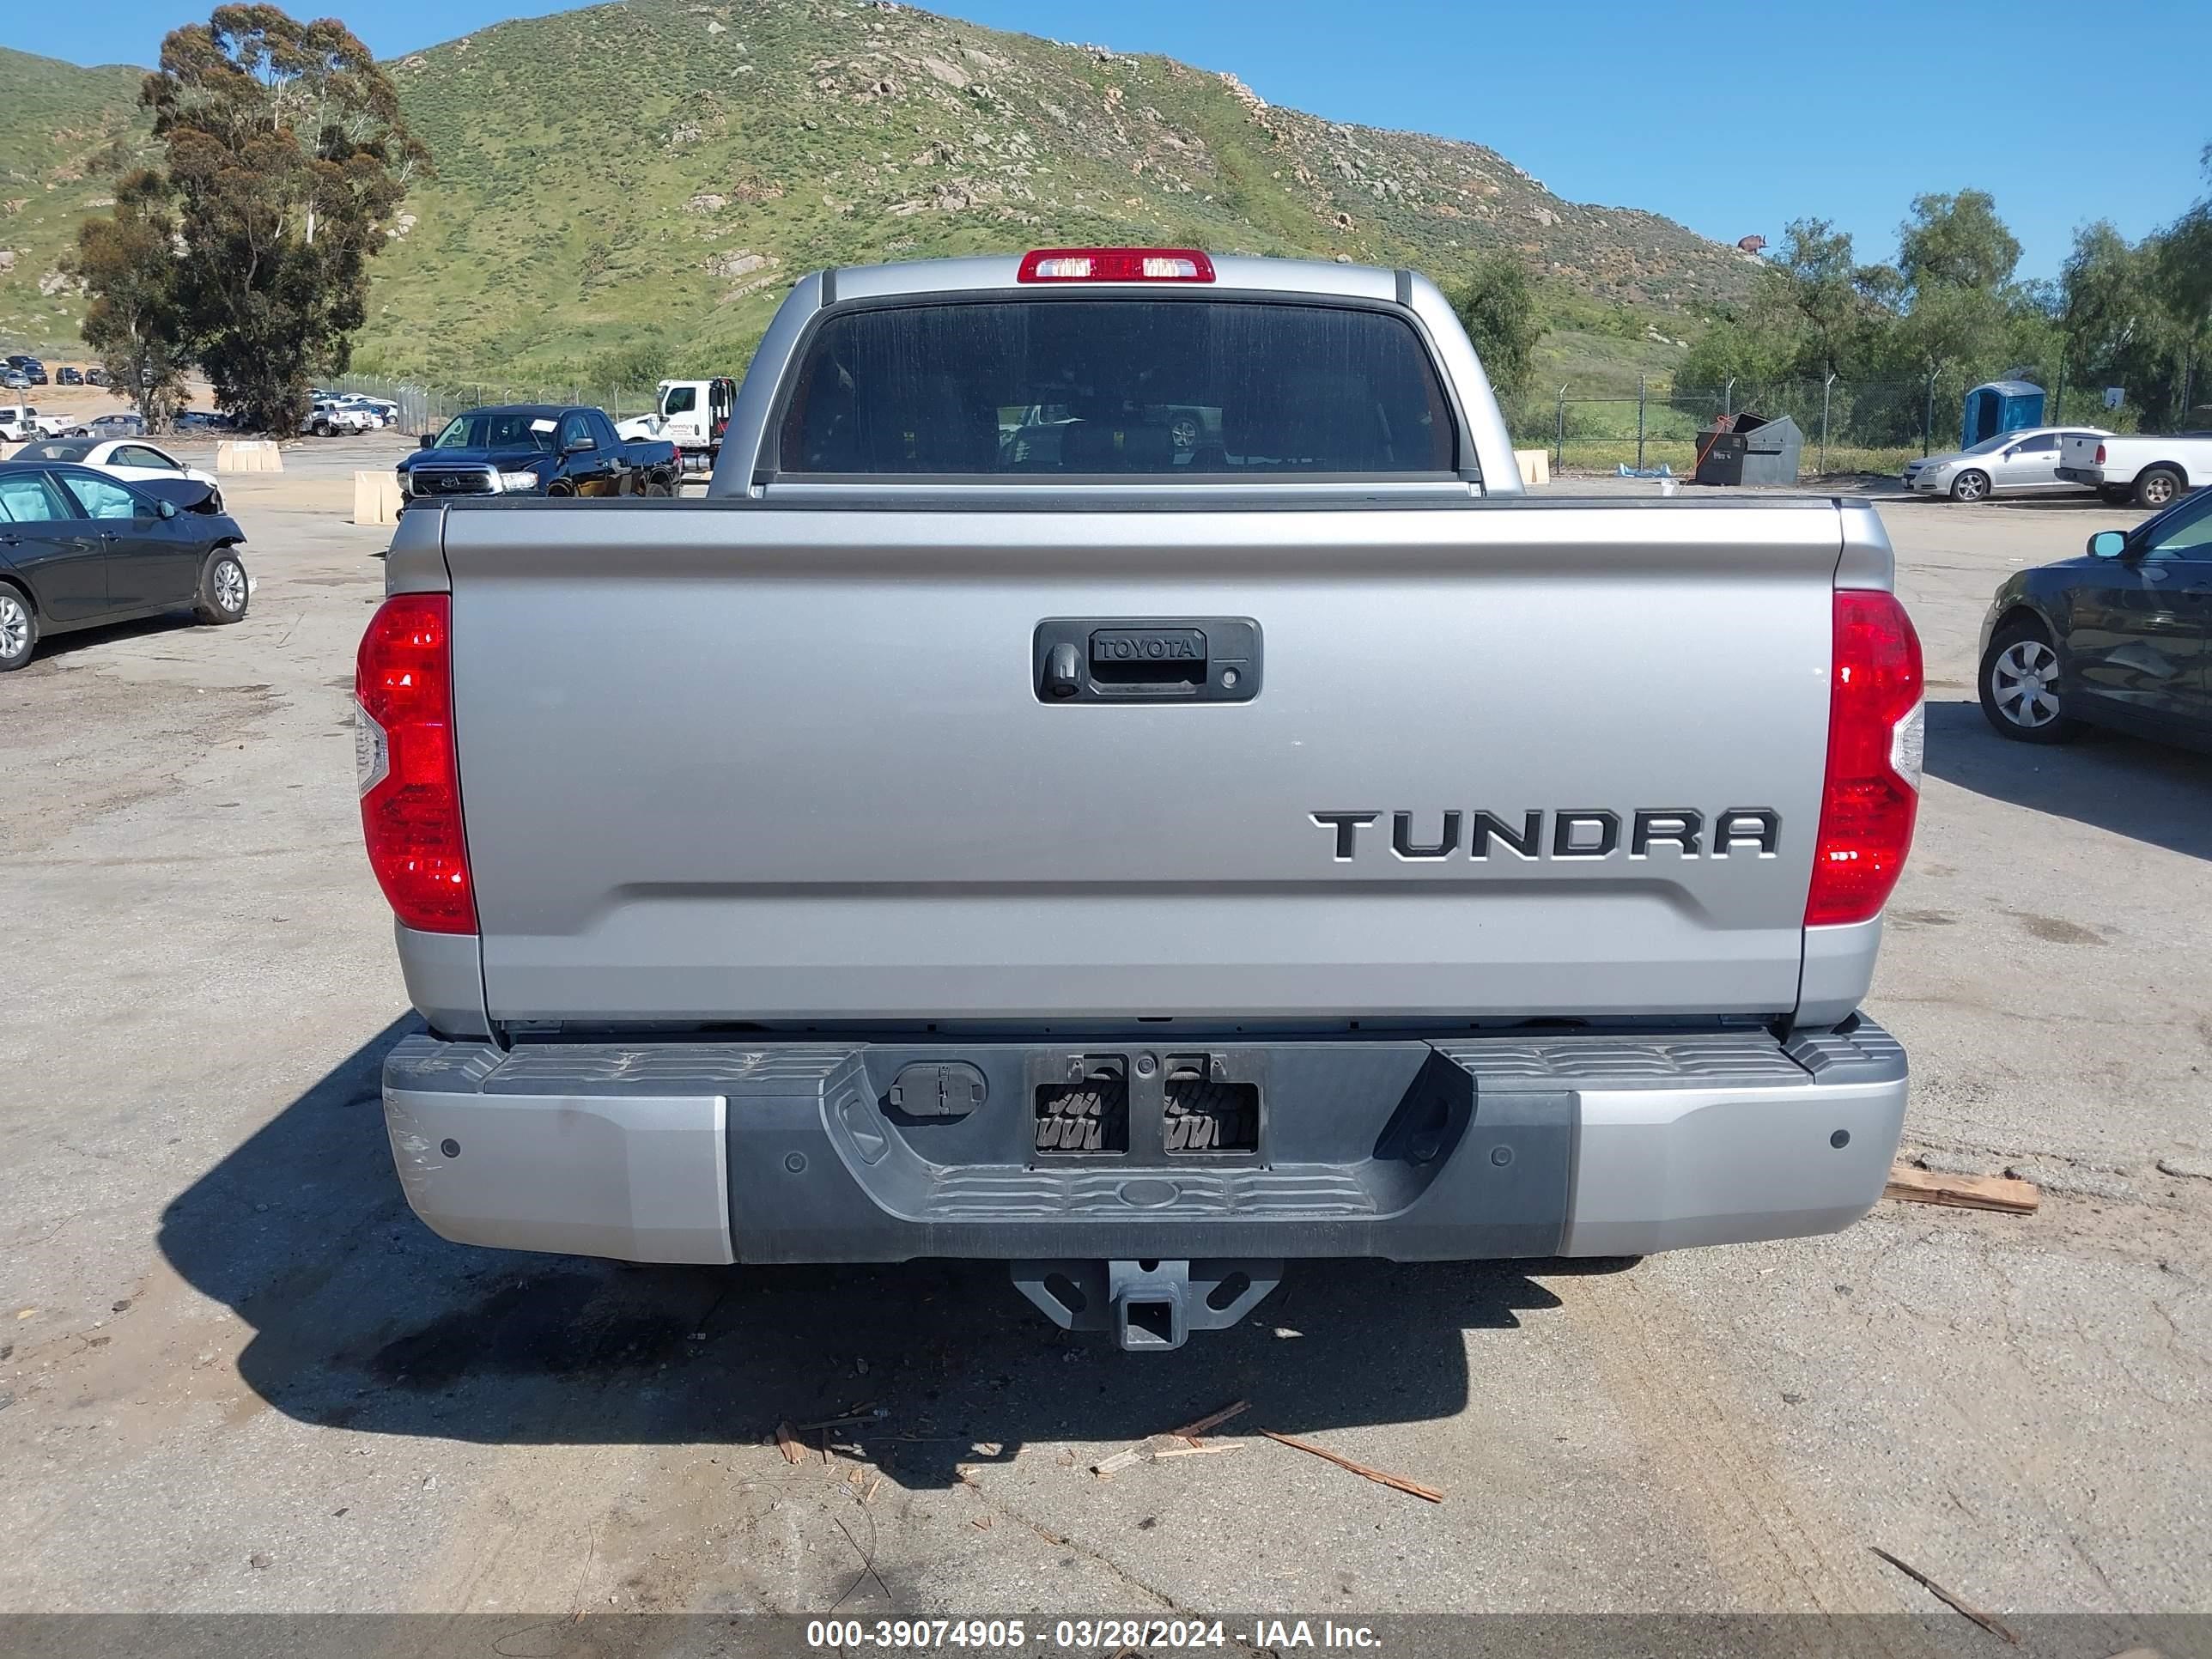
pixel 1772 447
pixel 1749 449
pixel 1720 453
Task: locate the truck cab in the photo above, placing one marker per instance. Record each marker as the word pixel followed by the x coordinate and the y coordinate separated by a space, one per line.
pixel 693 415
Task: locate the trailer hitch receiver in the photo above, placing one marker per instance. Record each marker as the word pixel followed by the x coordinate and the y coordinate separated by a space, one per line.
pixel 1151 1305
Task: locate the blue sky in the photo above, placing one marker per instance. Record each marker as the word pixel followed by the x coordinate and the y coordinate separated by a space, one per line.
pixel 1850 110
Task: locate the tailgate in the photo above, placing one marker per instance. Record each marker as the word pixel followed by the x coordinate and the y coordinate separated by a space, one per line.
pixel 729 761
pixel 2079 453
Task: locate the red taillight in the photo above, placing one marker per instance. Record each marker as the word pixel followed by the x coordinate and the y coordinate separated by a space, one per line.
pixel 1875 736
pixel 410 778
pixel 1116 264
pixel 2101 454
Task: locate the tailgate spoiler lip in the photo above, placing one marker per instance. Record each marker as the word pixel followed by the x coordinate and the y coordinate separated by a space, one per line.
pixel 416 561
pixel 1865 560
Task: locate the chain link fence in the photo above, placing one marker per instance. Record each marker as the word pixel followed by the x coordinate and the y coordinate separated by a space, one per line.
pixel 1849 426
pixel 427 408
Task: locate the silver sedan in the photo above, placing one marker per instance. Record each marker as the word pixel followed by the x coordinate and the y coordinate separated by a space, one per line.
pixel 2010 464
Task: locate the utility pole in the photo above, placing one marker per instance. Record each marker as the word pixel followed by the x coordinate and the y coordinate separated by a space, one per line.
pixel 1560 453
pixel 1639 423
pixel 1825 386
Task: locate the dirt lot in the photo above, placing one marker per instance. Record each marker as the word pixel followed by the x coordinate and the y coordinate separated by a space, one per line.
pixel 235 1373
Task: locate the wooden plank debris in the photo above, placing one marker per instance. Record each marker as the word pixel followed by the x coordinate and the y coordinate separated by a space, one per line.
pixel 858 1414
pixel 1964 1192
pixel 1212 1420
pixel 1988 1621
pixel 1396 1482
pixel 1152 1449
pixel 1176 1442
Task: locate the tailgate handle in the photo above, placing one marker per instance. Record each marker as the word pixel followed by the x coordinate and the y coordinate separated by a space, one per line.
pixel 1146 659
pixel 1162 657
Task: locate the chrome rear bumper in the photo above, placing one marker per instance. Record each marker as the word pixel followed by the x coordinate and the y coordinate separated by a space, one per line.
pixel 1444 1149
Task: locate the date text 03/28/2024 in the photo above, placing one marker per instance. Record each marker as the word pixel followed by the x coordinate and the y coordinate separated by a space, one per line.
pixel 1083 1635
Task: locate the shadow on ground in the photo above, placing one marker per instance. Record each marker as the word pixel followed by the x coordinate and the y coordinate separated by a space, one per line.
pixel 2144 790
pixel 363 1319
pixel 55 647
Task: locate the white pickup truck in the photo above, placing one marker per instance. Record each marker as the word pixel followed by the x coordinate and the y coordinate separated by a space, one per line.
pixel 2148 470
pixel 1116 778
pixel 19 423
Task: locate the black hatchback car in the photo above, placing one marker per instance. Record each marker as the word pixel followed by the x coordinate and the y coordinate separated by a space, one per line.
pixel 2120 637
pixel 79 548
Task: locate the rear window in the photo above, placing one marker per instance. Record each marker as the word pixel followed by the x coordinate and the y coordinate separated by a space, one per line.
pixel 1065 387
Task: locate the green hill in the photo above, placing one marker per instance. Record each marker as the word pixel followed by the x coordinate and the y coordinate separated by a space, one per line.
pixel 70 131
pixel 643 180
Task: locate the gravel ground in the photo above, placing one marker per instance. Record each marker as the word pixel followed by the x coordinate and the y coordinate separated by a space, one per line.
pixel 235 1374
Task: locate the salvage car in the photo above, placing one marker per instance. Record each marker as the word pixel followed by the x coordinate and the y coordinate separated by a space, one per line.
pixel 2117 637
pixel 1142 864
pixel 131 459
pixel 327 418
pixel 79 548
pixel 385 412
pixel 536 449
pixel 2010 464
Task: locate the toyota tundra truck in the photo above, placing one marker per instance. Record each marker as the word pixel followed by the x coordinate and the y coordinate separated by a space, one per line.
pixel 1147 859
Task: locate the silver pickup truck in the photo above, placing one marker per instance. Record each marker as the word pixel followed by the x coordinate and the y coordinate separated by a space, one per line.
pixel 1118 779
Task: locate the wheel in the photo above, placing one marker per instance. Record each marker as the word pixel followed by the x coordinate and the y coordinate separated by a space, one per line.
pixel 2019 686
pixel 19 630
pixel 2115 495
pixel 224 593
pixel 2157 485
pixel 1971 486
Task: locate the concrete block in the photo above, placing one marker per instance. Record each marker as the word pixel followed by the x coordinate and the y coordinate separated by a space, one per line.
pixel 1535 465
pixel 375 497
pixel 248 455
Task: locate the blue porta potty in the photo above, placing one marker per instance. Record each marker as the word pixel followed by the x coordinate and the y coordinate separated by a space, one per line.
pixel 2000 406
